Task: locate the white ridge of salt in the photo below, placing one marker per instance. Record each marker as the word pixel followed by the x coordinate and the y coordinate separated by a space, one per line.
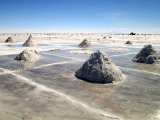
pixel 63 56
pixel 122 54
pixel 85 59
pixel 41 66
pixel 139 70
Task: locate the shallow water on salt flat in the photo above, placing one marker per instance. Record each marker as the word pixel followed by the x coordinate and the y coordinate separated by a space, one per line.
pixel 135 98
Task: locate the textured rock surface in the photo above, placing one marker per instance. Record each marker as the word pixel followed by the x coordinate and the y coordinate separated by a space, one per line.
pixel 10 40
pixel 85 44
pixel 129 43
pixel 99 68
pixel 28 55
pixel 29 42
pixel 147 55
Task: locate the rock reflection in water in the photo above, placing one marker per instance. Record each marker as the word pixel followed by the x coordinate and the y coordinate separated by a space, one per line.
pixel 27 64
pixel 84 50
pixel 10 45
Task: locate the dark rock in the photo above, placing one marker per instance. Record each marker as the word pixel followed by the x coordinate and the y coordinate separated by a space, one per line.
pixel 28 55
pixel 10 40
pixel 29 42
pixel 99 68
pixel 85 44
pixel 147 55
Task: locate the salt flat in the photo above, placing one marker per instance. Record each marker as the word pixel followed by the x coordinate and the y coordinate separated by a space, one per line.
pixel 49 90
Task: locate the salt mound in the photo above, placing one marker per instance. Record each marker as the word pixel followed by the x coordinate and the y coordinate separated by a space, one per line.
pixel 129 43
pixel 99 68
pixel 29 42
pixel 10 40
pixel 85 44
pixel 28 55
pixel 31 37
pixel 147 55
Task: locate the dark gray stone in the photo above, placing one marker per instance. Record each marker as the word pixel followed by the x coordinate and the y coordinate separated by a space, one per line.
pixel 99 68
pixel 147 55
pixel 10 40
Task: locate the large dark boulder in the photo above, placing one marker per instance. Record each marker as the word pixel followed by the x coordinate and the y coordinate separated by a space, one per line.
pixel 99 68
pixel 10 40
pixel 147 55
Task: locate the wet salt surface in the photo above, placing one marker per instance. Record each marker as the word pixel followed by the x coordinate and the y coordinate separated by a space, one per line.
pixel 21 100
pixel 137 97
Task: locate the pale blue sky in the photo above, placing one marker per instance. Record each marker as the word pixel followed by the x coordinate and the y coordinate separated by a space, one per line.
pixel 122 16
